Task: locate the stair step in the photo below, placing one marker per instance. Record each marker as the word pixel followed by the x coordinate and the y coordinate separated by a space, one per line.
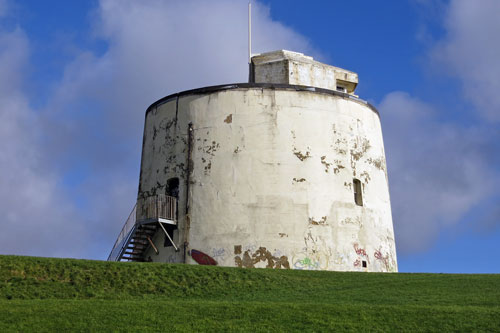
pixel 132 257
pixel 142 233
pixel 139 244
pixel 134 252
pixel 150 227
pixel 137 247
pixel 139 238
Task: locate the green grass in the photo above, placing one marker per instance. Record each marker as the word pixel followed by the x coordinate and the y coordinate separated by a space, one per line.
pixel 42 294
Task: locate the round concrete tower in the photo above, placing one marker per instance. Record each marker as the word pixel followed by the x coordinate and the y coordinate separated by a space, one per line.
pixel 287 171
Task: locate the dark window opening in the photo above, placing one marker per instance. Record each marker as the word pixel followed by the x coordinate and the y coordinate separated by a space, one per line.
pixel 342 89
pixel 173 187
pixel 170 231
pixel 364 263
pixel 173 191
pixel 358 197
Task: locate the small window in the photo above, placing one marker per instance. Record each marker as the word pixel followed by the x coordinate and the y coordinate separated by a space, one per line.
pixel 173 191
pixel 173 187
pixel 364 263
pixel 342 89
pixel 358 197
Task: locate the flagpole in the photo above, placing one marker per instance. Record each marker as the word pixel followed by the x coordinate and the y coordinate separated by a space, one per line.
pixel 249 32
pixel 250 76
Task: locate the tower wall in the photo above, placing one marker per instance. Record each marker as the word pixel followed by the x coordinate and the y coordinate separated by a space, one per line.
pixel 267 179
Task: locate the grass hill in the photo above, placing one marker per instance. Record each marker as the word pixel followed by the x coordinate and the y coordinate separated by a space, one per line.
pixel 46 294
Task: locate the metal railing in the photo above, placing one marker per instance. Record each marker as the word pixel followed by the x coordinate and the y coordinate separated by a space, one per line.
pixel 156 207
pixel 123 236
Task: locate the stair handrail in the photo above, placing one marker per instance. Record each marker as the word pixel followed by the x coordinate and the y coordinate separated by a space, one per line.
pixel 124 233
pixel 155 207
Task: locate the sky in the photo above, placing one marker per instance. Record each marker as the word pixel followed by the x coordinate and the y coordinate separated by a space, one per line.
pixel 77 76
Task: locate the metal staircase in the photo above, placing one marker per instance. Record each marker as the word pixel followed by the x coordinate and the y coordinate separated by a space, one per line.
pixel 136 236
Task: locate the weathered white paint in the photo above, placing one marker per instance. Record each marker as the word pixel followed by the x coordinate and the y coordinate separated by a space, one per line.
pixel 287 67
pixel 271 180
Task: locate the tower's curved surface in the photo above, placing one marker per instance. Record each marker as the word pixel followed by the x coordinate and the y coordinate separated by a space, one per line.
pixel 272 174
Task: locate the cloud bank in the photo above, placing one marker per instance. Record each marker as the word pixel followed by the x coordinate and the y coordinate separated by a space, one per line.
pixel 29 192
pixel 438 171
pixel 71 169
pixel 441 171
pixel 470 51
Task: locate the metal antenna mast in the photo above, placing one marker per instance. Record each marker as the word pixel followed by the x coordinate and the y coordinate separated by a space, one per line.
pixel 250 79
pixel 249 31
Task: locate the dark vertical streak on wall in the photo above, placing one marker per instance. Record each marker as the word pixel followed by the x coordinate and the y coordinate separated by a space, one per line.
pixel 176 110
pixel 188 179
pixel 139 191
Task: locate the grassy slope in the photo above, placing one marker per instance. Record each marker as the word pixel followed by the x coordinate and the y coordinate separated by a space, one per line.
pixel 62 294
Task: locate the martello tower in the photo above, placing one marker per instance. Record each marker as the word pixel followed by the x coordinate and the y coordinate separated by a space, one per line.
pixel 286 171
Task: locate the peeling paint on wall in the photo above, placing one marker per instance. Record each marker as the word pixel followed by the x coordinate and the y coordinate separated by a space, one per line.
pixel 378 162
pixel 365 177
pixel 249 259
pixel 325 163
pixel 271 178
pixel 321 221
pixel 360 147
pixel 301 156
pixel 353 221
pixel 337 163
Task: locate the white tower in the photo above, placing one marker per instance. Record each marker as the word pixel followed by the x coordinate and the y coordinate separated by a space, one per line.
pixel 287 171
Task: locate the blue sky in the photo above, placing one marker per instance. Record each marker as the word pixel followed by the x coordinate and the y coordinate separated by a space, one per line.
pixel 76 78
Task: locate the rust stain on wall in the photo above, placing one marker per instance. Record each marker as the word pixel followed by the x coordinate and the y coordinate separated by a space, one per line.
pixel 379 163
pixel 322 221
pixel 299 180
pixel 325 163
pixel 261 255
pixel 229 119
pixel 366 177
pixel 301 156
pixel 358 151
pixel 336 169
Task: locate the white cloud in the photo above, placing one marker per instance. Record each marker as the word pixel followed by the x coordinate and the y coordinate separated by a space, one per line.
pixel 470 51
pixel 36 218
pixel 81 180
pixel 438 172
pixel 155 48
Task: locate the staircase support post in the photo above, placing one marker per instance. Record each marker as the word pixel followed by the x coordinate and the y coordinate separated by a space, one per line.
pixel 168 236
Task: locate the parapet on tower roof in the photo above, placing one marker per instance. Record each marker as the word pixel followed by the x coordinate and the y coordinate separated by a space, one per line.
pixel 287 67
